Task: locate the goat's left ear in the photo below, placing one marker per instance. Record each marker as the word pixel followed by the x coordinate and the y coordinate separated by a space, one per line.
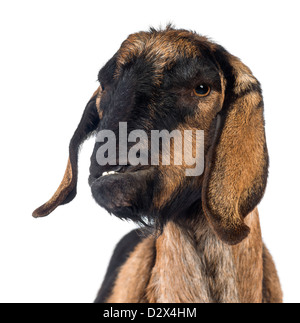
pixel 67 189
pixel 236 167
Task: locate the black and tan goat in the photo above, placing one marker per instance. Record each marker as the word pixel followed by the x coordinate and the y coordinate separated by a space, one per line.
pixel 203 241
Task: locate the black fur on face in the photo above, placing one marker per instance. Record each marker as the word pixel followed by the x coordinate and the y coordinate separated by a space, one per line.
pixel 155 92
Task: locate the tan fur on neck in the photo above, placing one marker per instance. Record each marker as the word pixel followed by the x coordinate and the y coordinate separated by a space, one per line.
pixel 192 265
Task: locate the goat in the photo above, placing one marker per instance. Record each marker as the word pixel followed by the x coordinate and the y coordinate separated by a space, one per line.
pixel 200 238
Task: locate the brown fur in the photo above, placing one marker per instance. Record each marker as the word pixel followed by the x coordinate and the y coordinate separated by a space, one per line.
pixel 272 292
pixel 161 49
pixel 133 277
pixel 59 196
pixel 98 94
pixel 193 266
pixel 247 257
pixel 172 281
pixel 234 165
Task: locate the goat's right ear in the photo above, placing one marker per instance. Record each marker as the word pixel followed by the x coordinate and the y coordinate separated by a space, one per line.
pixel 68 187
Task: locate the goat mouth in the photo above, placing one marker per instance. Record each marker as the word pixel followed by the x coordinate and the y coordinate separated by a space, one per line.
pixel 119 170
pixel 124 169
pixel 122 191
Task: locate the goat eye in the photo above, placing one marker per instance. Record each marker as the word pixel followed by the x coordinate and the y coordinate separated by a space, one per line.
pixel 202 90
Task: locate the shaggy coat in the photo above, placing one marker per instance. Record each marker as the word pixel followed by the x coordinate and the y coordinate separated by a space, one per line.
pixel 200 239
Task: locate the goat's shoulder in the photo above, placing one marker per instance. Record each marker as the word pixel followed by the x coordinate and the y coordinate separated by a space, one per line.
pixel 120 255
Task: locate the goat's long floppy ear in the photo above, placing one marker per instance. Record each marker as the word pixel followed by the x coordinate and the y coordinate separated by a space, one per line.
pixel 68 187
pixel 237 162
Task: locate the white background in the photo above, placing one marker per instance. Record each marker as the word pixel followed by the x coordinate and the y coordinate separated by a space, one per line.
pixel 50 55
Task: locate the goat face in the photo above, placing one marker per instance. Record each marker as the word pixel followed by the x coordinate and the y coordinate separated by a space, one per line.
pixel 174 80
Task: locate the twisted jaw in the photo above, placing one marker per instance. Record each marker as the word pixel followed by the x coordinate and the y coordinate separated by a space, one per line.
pixel 125 191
